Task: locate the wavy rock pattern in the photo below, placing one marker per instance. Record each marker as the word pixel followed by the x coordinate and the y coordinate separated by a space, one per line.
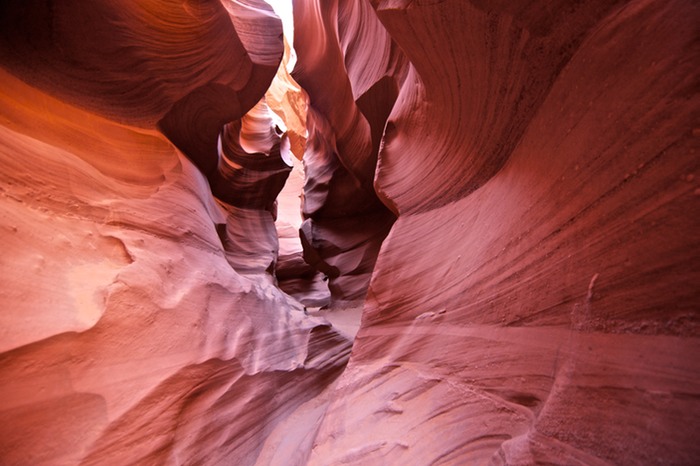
pixel 351 93
pixel 290 102
pixel 536 300
pixel 518 179
pixel 139 328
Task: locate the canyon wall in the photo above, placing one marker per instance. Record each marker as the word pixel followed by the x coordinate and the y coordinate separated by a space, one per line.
pixel 536 302
pixel 512 185
pixel 350 68
pixel 140 323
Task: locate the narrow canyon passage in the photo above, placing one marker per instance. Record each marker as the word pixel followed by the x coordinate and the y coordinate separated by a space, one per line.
pixel 387 232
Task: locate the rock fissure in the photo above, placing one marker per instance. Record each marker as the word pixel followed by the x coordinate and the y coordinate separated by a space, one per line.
pixel 381 232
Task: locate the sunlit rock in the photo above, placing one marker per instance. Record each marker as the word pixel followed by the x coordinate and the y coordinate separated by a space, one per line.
pixel 506 190
pixel 136 328
pixel 350 68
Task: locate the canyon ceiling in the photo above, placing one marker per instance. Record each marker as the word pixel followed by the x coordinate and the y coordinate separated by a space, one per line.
pixel 507 190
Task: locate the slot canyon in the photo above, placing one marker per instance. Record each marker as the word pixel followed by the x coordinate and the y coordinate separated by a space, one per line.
pixel 385 232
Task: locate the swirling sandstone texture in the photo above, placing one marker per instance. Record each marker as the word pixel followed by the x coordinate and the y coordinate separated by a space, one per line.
pixel 350 68
pixel 140 323
pixel 511 186
pixel 536 302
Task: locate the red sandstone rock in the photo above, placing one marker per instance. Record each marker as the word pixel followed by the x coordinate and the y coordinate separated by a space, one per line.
pixel 290 102
pixel 535 302
pixel 129 333
pixel 349 66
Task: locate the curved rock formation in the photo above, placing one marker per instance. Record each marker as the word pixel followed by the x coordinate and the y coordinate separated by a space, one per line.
pixel 129 333
pixel 513 185
pixel 290 102
pixel 254 163
pixel 351 93
pixel 536 300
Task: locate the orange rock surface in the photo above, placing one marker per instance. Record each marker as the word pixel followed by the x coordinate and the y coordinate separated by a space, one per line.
pixel 536 302
pixel 507 189
pixel 139 323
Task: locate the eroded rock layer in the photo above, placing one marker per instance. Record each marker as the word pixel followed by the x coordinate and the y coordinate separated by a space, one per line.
pixel 350 68
pixel 518 179
pixel 140 324
pixel 290 102
pixel 536 302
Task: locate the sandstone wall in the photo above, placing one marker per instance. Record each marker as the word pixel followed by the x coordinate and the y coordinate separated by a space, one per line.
pixel 512 185
pixel 537 299
pixel 135 329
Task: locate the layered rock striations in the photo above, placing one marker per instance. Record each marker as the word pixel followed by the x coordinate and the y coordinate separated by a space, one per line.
pixel 289 102
pixel 351 70
pixel 536 300
pixel 512 185
pixel 254 164
pixel 136 327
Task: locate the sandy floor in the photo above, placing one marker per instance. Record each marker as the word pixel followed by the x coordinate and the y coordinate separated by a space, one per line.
pixel 346 318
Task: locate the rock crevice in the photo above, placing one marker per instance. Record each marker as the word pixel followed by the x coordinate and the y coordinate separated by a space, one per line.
pixel 509 188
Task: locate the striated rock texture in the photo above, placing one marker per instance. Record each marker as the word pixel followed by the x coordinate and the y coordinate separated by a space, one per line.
pixel 139 324
pixel 350 68
pixel 512 185
pixel 536 302
pixel 290 102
